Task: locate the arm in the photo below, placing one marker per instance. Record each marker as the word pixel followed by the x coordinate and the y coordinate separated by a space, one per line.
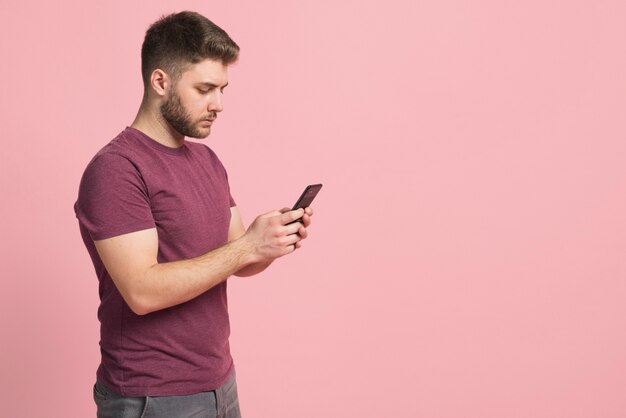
pixel 147 286
pixel 236 230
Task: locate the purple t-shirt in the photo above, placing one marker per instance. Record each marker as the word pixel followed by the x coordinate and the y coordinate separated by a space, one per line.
pixel 135 183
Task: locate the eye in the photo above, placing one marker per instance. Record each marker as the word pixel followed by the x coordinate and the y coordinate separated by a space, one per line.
pixel 203 91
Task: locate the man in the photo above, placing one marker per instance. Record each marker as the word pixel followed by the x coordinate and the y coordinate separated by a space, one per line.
pixel 164 233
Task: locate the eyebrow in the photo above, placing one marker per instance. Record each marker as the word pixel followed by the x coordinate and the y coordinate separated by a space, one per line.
pixel 206 83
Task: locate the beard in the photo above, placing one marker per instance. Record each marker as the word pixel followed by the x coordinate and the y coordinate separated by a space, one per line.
pixel 175 114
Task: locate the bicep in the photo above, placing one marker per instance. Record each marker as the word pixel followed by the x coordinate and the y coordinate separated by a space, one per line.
pixel 128 257
pixel 236 228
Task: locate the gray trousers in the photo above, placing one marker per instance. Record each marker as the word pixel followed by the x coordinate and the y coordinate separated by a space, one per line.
pixel 219 403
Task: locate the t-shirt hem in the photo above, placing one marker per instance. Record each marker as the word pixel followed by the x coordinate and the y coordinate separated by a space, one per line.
pixel 100 235
pixel 172 390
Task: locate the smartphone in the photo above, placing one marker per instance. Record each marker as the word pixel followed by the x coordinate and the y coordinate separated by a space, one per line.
pixel 306 198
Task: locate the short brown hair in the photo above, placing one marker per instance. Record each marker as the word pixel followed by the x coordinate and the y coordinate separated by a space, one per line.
pixel 179 39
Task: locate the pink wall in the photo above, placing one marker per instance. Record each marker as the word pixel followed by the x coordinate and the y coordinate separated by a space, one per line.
pixel 467 257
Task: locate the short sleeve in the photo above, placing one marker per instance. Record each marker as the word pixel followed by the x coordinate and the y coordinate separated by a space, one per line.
pixel 214 157
pixel 230 194
pixel 113 198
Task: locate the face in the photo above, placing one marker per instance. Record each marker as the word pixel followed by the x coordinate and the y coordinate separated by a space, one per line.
pixel 194 100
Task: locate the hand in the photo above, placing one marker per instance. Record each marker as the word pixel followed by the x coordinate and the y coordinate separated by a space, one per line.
pixel 306 221
pixel 272 235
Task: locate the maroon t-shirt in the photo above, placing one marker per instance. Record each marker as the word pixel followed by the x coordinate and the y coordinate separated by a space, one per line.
pixel 135 183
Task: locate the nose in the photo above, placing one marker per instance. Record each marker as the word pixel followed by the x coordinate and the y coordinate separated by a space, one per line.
pixel 215 104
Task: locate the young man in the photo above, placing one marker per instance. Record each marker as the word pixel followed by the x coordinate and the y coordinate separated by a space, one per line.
pixel 163 231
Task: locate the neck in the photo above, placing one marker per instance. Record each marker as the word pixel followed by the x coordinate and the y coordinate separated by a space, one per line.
pixel 150 121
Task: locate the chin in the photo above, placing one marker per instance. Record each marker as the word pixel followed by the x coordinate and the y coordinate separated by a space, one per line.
pixel 199 134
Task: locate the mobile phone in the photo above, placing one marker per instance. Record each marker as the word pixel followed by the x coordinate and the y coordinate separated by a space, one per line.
pixel 307 197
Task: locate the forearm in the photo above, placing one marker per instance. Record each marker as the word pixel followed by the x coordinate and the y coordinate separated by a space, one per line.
pixel 168 284
pixel 252 269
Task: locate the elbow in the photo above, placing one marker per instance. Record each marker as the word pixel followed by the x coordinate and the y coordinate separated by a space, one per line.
pixel 139 299
pixel 139 310
pixel 140 306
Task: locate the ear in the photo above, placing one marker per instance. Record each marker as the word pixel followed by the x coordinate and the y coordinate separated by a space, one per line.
pixel 160 82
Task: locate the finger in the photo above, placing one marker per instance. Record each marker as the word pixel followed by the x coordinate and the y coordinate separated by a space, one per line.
pixel 306 220
pixel 291 239
pixel 303 233
pixel 291 216
pixel 309 211
pixel 292 228
pixel 288 250
pixel 284 210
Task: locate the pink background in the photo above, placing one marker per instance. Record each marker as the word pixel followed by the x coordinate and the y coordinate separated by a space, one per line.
pixel 467 257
